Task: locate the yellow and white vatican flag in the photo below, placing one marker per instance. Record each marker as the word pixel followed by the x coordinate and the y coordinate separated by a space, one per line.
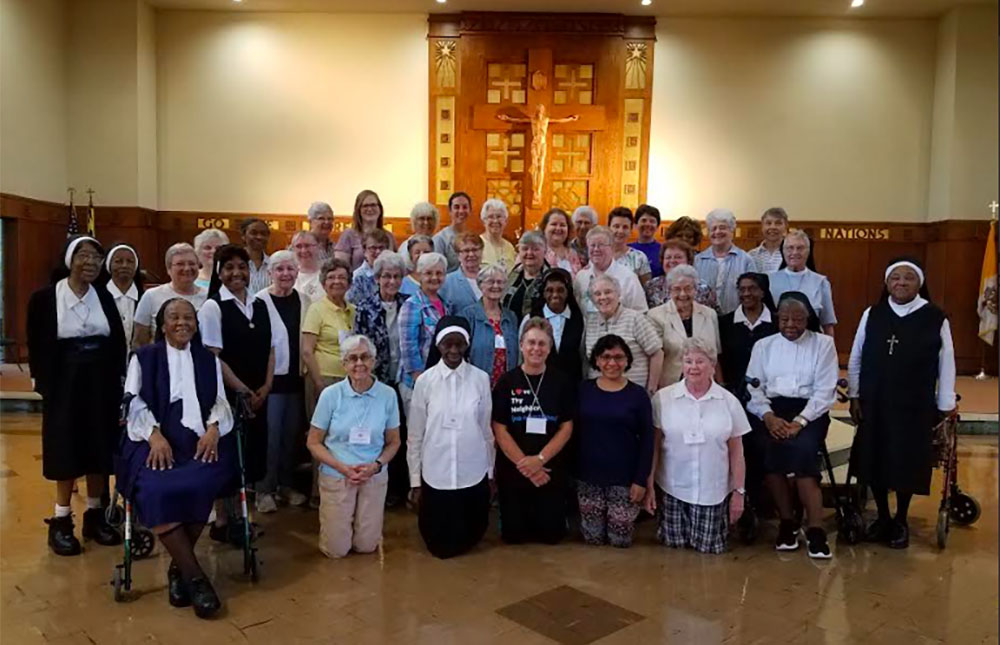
pixel 987 306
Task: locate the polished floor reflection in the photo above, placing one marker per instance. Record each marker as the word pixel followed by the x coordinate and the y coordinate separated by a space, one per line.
pixel 866 594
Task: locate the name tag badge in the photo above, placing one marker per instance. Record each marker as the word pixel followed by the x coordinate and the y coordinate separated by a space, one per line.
pixel 692 437
pixel 450 422
pixel 342 335
pixel 361 435
pixel 499 342
pixel 536 425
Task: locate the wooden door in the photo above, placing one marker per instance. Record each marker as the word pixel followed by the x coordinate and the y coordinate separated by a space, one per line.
pixel 540 110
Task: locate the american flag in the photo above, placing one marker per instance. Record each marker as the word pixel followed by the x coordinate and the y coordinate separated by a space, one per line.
pixel 73 226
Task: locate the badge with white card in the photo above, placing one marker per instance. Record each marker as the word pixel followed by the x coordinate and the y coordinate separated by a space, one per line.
pixel 692 437
pixel 499 342
pixel 535 425
pixel 361 435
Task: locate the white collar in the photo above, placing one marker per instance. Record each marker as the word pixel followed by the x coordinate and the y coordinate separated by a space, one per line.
pixel 681 390
pixel 69 296
pixel 132 293
pixel 804 272
pixel 225 294
pixel 566 313
pixel 740 317
pixel 448 372
pixel 908 308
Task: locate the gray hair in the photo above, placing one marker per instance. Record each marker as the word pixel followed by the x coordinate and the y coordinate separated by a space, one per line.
pixel 680 272
pixel 786 303
pixel 178 249
pixel 428 260
pixel 284 255
pixel 537 322
pixel 488 271
pixel 299 234
pixel 417 239
pixel 695 344
pixel 493 204
pixel 605 279
pixel 319 208
pixel 532 238
pixel 721 215
pixel 354 341
pixel 584 211
pixel 208 235
pixel 389 260
pixel 600 231
pixel 799 234
pixel 425 208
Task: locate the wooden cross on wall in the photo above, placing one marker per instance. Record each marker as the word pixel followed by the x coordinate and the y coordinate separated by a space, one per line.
pixel 537 119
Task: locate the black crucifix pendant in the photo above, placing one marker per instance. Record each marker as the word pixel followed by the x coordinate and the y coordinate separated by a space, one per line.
pixel 892 343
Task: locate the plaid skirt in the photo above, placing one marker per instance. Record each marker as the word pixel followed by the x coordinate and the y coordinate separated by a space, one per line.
pixel 680 524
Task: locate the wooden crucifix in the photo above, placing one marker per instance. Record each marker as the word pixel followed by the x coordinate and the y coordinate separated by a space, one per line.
pixel 539 145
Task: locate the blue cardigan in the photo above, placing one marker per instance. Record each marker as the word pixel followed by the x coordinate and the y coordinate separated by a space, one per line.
pixel 456 293
pixel 483 337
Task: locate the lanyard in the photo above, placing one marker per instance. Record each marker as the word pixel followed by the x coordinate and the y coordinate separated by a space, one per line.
pixel 534 392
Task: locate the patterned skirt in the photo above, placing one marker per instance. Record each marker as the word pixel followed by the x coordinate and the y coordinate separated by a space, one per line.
pixel 680 524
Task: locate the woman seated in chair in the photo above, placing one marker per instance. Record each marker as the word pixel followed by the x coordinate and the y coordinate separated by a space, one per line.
pixel 178 456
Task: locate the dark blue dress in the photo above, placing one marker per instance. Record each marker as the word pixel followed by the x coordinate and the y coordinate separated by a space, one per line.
pixel 186 492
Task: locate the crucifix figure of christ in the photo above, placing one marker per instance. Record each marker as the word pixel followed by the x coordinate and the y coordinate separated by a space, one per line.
pixel 539 121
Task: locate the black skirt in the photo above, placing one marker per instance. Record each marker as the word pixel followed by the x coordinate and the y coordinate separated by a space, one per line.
pixel 80 411
pixel 798 455
pixel 453 521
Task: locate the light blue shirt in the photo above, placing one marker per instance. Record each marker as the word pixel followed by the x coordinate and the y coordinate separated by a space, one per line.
pixel 409 286
pixel 558 322
pixel 722 273
pixel 344 414
pixel 815 286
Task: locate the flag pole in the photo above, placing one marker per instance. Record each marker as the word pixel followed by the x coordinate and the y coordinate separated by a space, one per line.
pixel 983 376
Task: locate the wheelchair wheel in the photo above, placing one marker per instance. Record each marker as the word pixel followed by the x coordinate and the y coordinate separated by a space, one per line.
pixel 118 584
pixel 964 509
pixel 942 529
pixel 114 515
pixel 852 526
pixel 142 543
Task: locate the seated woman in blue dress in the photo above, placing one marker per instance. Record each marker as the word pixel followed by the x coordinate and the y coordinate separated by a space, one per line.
pixel 179 455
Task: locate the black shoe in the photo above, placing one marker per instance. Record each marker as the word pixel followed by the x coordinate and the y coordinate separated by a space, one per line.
pixel 177 590
pixel 788 536
pixel 232 532
pixel 203 597
pixel 900 536
pixel 879 531
pixel 96 528
pixel 817 545
pixel 61 538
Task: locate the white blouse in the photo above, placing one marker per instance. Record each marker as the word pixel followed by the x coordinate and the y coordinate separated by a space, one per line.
pixel 694 435
pixel 125 302
pixel 280 339
pixel 803 369
pixel 79 317
pixel 182 388
pixel 946 357
pixel 210 316
pixel 450 441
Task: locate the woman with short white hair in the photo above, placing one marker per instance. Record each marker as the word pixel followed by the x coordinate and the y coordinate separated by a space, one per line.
pixel 182 269
pixel 681 318
pixel 722 263
pixel 631 326
pixel 797 276
pixel 584 218
pixel 525 279
pixel 353 435
pixel 205 244
pixel 492 326
pixel 320 216
pixel 286 308
pixel 698 466
pixel 417 318
pixel 418 245
pixel 306 250
pixel 496 249
pixel 424 220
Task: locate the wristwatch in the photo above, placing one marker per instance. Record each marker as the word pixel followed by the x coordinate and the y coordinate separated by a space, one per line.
pixel 742 491
pixel 801 420
pixel 380 466
pixel 541 457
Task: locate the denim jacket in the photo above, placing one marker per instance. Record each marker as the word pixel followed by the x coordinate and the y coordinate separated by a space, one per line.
pixel 482 342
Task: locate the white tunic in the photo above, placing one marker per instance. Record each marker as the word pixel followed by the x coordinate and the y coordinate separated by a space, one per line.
pixel 182 388
pixel 946 357
pixel 803 369
pixel 450 441
pixel 79 317
pixel 694 435
pixel 151 301
pixel 632 294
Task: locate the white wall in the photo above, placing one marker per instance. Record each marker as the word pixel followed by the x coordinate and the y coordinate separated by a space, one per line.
pixel 830 119
pixel 146 105
pixel 269 112
pixel 33 98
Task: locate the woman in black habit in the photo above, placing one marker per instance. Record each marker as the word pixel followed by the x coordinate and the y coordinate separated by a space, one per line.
pixel 179 454
pixel 557 304
pixel 236 326
pixel 901 380
pixel 76 349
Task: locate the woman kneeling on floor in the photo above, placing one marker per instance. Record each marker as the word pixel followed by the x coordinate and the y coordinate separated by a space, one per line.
pixel 698 459
pixel 354 435
pixel 179 455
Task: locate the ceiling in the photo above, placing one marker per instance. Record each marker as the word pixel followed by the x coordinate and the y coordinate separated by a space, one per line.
pixel 826 8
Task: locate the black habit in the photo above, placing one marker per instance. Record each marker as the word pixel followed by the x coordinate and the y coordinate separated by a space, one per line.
pixel 81 384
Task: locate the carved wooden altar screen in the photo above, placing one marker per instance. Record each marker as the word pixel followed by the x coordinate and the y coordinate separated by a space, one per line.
pixel 540 110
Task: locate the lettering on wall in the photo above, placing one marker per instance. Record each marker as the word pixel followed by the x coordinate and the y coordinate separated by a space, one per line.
pixel 872 234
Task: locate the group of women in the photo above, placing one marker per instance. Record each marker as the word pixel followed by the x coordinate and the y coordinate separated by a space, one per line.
pixel 570 375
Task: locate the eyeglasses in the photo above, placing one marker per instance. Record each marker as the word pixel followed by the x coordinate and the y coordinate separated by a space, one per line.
pixel 90 257
pixel 471 251
pixel 598 245
pixel 322 219
pixel 372 247
pixel 369 206
pixel 357 358
pixel 613 358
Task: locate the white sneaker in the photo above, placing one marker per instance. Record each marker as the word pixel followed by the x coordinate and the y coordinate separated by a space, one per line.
pixel 266 503
pixel 295 498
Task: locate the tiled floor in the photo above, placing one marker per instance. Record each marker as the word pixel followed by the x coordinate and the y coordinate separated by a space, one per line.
pixel 866 594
